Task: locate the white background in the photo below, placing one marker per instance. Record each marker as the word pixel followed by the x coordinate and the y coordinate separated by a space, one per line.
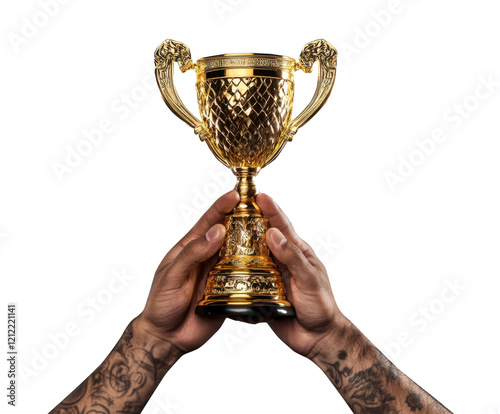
pixel 391 251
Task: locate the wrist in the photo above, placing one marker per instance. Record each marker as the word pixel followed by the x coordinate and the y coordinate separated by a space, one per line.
pixel 151 339
pixel 334 340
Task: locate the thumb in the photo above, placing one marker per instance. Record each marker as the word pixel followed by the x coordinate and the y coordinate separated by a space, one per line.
pixel 195 252
pixel 292 257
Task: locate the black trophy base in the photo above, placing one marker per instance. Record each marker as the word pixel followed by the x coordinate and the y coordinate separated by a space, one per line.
pixel 257 312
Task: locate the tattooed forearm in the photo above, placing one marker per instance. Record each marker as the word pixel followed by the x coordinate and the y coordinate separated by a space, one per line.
pixel 123 383
pixel 370 383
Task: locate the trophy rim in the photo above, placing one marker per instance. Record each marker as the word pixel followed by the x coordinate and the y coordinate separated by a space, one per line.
pixel 246 64
pixel 268 55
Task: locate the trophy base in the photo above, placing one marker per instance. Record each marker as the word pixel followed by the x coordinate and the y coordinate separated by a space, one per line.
pixel 257 312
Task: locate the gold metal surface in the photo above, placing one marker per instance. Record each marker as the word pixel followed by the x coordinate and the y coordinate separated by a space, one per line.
pixel 245 102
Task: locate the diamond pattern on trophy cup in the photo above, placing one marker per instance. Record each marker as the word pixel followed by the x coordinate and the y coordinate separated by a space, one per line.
pixel 246 116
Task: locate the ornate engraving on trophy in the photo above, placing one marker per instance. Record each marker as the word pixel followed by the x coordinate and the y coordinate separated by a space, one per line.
pixel 246 237
pixel 249 62
pixel 258 285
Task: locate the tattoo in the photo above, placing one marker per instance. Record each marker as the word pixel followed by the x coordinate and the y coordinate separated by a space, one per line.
pixel 336 374
pixel 413 401
pixel 378 389
pixel 389 369
pixel 76 395
pixel 65 410
pixel 123 383
pixel 366 391
pixel 342 355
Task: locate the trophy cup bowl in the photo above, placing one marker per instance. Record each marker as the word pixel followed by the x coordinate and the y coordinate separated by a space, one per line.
pixel 245 102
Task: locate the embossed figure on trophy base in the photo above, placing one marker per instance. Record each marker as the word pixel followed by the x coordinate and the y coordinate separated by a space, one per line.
pixel 246 105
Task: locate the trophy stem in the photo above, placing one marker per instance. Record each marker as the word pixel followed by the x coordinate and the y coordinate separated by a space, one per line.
pixel 247 190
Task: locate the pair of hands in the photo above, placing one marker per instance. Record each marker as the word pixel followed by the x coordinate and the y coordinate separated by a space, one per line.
pixel 179 282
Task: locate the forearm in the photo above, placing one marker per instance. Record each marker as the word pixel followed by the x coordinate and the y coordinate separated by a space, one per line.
pixel 366 379
pixel 126 379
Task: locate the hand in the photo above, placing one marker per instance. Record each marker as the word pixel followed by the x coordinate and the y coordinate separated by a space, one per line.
pixel 180 280
pixel 307 285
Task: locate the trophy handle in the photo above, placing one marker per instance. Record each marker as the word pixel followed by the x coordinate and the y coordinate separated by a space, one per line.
pixel 326 54
pixel 166 54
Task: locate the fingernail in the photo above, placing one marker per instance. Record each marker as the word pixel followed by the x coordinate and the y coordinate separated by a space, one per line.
pixel 278 237
pixel 212 233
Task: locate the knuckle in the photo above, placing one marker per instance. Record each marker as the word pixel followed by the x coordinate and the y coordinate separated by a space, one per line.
pixel 307 249
pixel 293 250
pixel 191 249
pixel 218 206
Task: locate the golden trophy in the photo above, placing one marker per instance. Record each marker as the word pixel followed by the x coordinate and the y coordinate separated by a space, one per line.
pixel 245 101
